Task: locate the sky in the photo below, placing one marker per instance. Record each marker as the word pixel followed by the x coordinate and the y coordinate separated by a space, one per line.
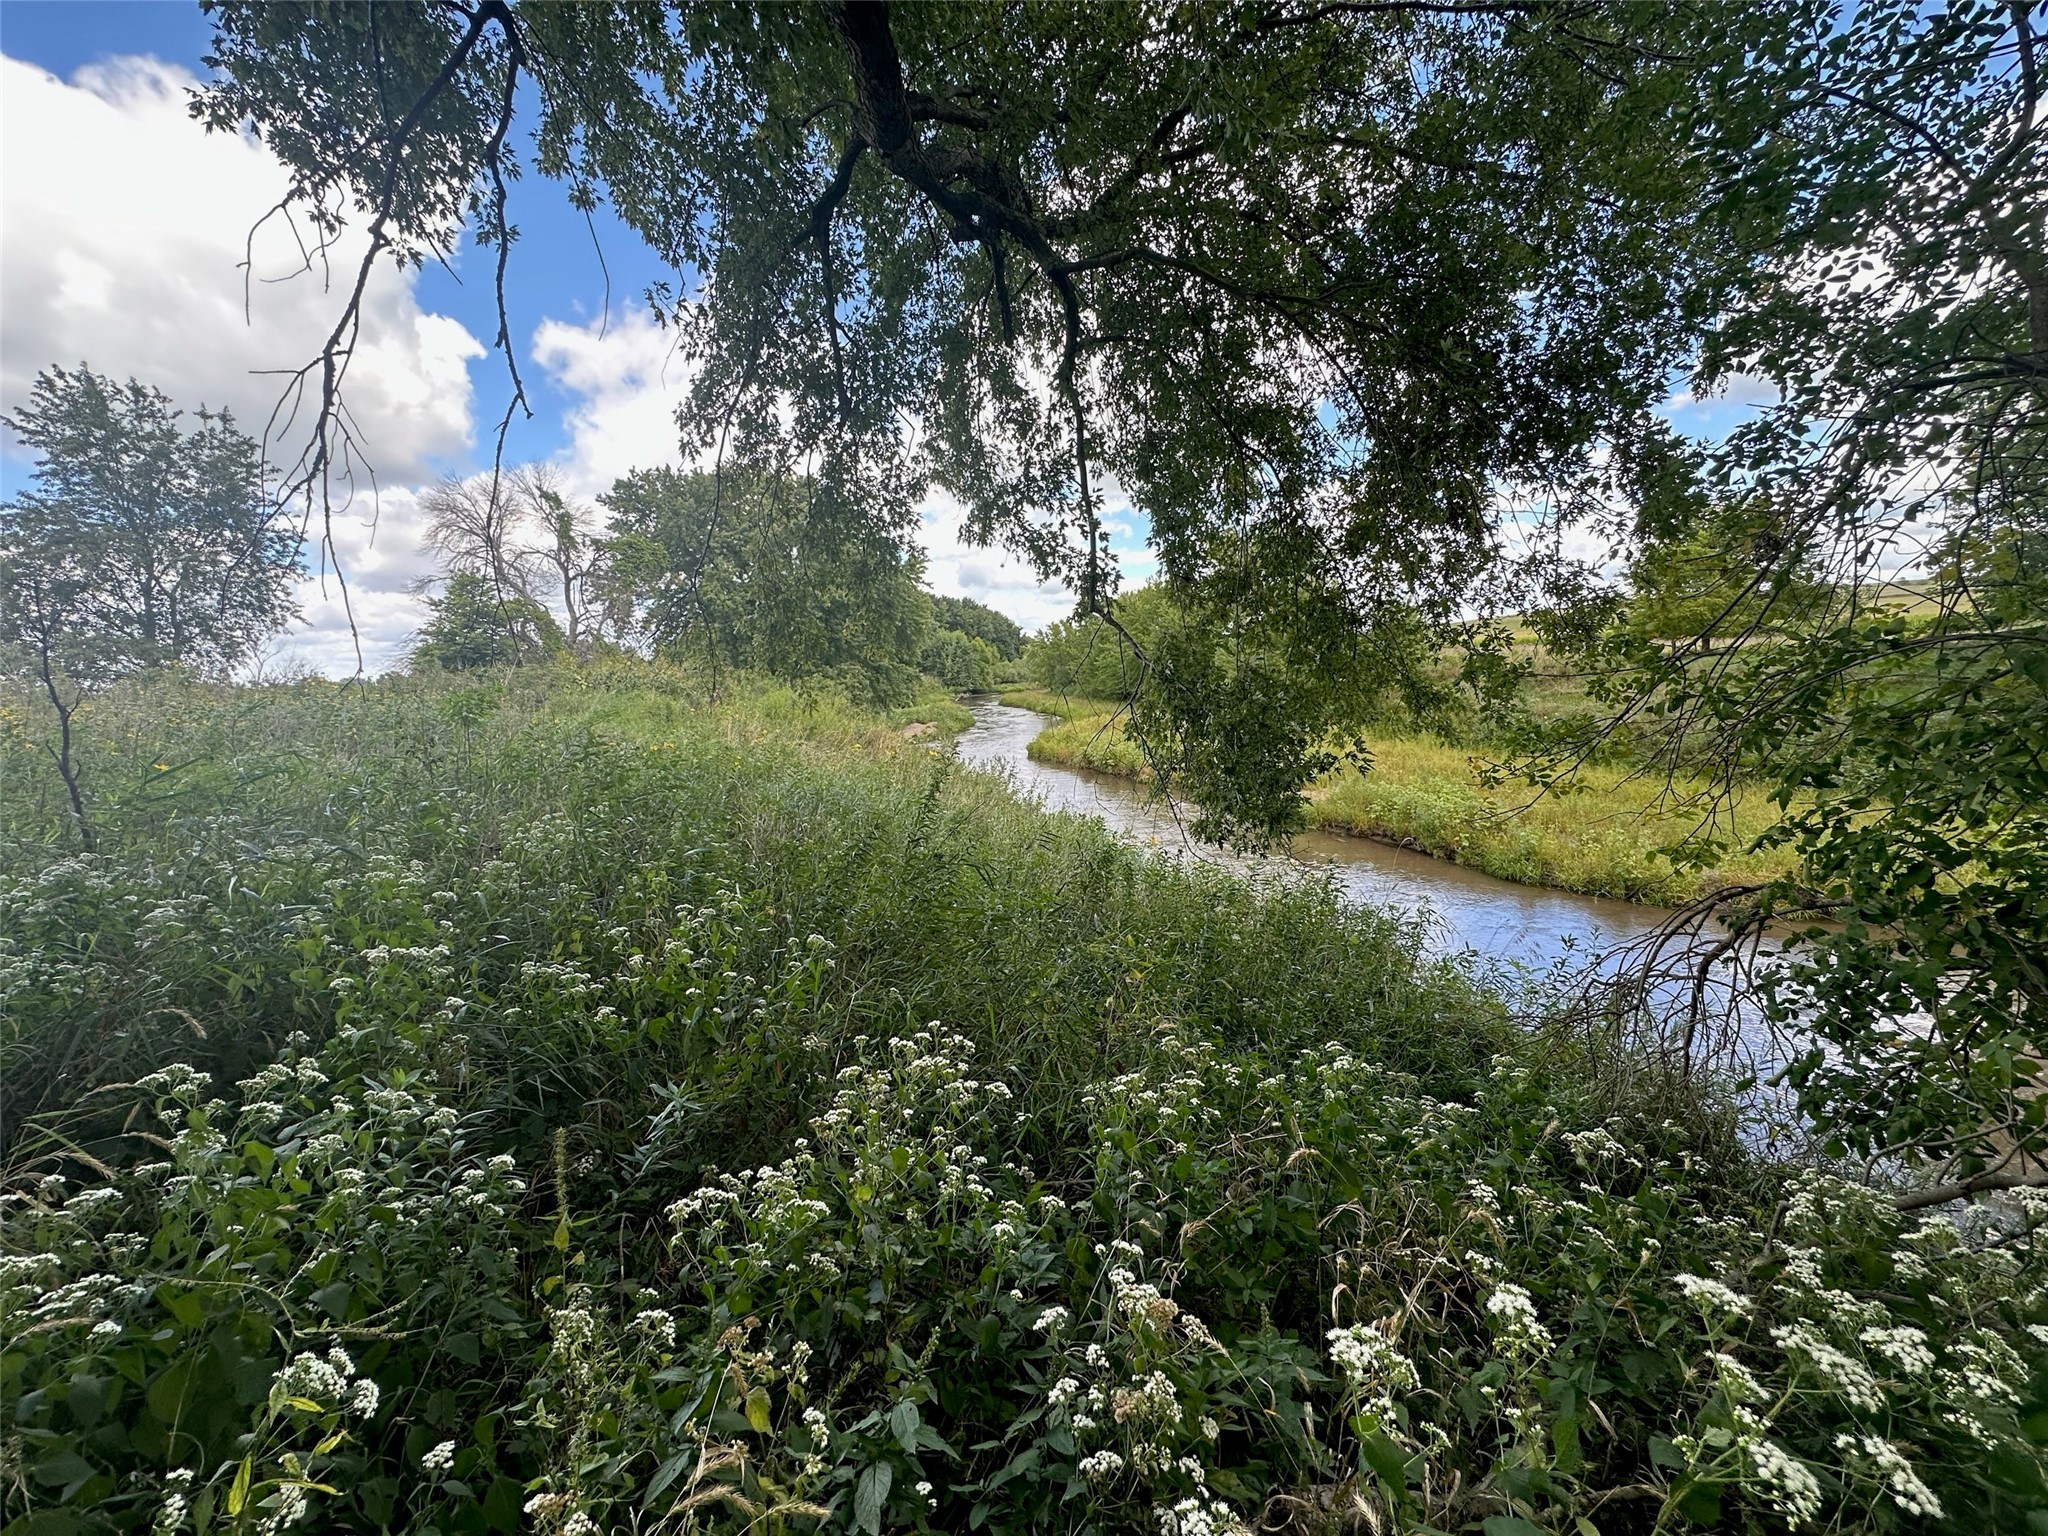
pixel 134 241
pixel 125 229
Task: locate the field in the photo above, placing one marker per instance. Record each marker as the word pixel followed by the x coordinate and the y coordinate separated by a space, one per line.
pixel 550 1101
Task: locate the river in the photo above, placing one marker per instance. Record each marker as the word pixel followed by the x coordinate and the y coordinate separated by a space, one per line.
pixel 1496 921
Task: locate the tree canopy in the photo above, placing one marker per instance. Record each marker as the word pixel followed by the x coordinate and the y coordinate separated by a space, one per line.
pixel 140 543
pixel 999 631
pixel 1310 284
pixel 777 573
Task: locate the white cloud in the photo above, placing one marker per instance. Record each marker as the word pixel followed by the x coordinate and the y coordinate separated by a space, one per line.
pixel 123 229
pixel 629 380
pixel 381 564
pixel 956 568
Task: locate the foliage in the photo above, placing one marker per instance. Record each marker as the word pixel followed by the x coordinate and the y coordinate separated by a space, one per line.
pixel 1086 656
pixel 475 626
pixel 1901 325
pixel 778 574
pixel 140 544
pixel 593 1165
pixel 964 663
pixel 483 527
pixel 1340 297
pixel 998 630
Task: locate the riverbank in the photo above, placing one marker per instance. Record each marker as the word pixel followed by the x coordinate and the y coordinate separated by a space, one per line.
pixel 374 1093
pixel 1607 836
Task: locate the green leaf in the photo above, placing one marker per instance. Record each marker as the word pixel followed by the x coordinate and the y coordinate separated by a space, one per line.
pixel 760 1413
pixel 1509 1525
pixel 238 1492
pixel 1564 1438
pixel 665 1474
pixel 1385 1459
pixel 65 1469
pixel 871 1497
pixel 903 1419
pixel 166 1395
pixel 334 1299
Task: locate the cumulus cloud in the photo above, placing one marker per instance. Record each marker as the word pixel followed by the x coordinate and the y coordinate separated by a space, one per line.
pixel 957 568
pixel 628 379
pixel 124 227
pixel 124 232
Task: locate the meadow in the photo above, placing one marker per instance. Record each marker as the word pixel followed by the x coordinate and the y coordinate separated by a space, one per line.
pixel 554 1101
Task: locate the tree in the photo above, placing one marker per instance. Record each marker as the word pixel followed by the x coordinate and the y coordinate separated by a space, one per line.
pixel 473 628
pixel 536 549
pixel 473 525
pixel 964 663
pixel 1902 317
pixel 969 617
pixel 1314 285
pixel 1327 289
pixel 139 545
pixel 570 548
pixel 776 573
pixel 1086 656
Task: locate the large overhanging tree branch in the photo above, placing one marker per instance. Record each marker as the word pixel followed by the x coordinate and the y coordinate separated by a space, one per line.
pixel 1876 653
pixel 1323 286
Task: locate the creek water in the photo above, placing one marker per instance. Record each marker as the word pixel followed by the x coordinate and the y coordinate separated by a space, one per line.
pixel 1496 921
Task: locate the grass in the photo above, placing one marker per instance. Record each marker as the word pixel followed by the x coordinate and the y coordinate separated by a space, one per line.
pixel 624 1112
pixel 1606 833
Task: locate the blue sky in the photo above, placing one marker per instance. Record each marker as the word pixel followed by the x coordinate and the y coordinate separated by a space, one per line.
pixel 557 267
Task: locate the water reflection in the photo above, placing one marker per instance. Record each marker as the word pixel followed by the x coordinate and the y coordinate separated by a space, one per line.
pixel 1517 925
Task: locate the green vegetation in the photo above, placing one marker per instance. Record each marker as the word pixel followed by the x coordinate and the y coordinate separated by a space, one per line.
pixel 1371 312
pixel 139 545
pixel 775 574
pixel 998 631
pixel 583 1091
pixel 515 1102
pixel 473 628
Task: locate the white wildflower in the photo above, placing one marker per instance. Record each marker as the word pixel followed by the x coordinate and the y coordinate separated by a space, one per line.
pixel 1736 1379
pixel 1513 1316
pixel 1905 1347
pixel 1849 1377
pixel 1711 1295
pixel 657 1325
pixel 1907 1491
pixel 440 1459
pixel 1789 1484
pixel 1102 1466
pixel 177 1504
